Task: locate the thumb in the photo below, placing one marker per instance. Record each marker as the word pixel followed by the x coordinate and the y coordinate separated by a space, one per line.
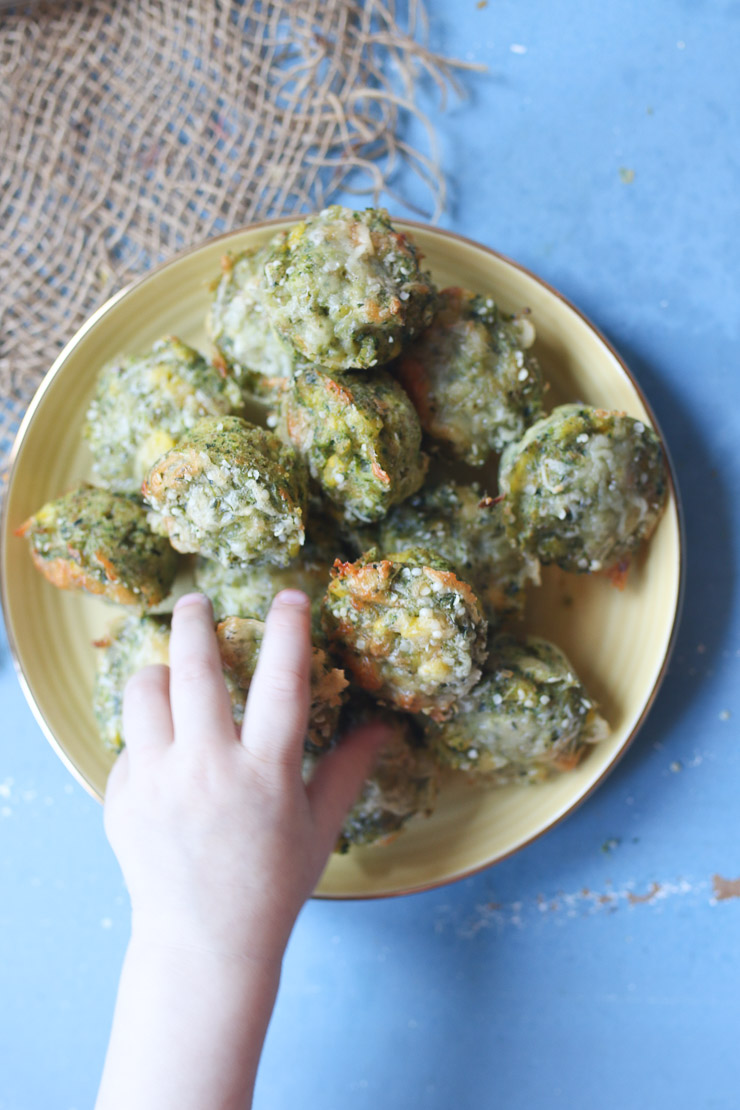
pixel 339 776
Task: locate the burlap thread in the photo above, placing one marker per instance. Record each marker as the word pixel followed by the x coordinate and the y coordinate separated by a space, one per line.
pixel 133 130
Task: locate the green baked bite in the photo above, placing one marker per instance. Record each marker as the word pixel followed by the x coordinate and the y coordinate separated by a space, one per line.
pixel 143 405
pixel 238 326
pixel 584 488
pixel 230 491
pixel 359 437
pixel 94 540
pixel 471 377
pixel 406 630
pixel 248 591
pixel 345 288
pixel 137 642
pixel 466 528
pixel 239 642
pixel 527 719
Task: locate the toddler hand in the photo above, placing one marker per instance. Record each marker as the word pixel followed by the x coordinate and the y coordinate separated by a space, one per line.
pixel 219 840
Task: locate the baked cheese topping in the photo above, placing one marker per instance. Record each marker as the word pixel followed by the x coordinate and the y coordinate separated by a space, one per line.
pixel 359 436
pixel 345 288
pixel 465 527
pixel 527 719
pixel 230 491
pixel 472 378
pixel 100 542
pixel 143 406
pixel 240 330
pixel 407 630
pixel 584 487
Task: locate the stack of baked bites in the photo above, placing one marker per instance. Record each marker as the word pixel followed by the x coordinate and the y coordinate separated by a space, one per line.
pixel 363 371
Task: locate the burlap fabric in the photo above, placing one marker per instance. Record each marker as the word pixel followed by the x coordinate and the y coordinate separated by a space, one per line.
pixel 132 130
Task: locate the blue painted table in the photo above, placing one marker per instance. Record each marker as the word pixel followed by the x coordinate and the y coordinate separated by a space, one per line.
pixel 597 968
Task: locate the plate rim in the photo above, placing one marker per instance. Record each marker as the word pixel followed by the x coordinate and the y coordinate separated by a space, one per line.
pixel 108 305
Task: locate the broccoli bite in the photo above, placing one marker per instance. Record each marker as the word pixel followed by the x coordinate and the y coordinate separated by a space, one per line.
pixel 239 642
pixel 345 289
pixel 466 528
pixel 527 719
pixel 359 437
pixel 584 488
pixel 406 629
pixel 238 327
pixel 230 491
pixel 471 377
pixel 94 540
pixel 143 405
pixel 248 591
pixel 137 642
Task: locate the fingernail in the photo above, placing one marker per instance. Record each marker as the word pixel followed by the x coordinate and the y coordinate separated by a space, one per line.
pixel 292 597
pixel 190 599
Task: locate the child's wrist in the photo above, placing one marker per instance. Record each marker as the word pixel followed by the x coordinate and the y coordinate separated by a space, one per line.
pixel 187 952
pixel 190 1021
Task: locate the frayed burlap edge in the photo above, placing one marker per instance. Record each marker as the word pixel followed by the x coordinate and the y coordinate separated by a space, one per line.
pixel 135 130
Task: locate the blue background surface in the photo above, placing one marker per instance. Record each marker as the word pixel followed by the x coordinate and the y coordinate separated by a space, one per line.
pixel 597 968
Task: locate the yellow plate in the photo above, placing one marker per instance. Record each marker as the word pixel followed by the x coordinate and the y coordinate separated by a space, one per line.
pixel 618 641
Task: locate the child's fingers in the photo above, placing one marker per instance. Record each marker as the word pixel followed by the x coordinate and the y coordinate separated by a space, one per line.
pixel 339 776
pixel 117 778
pixel 277 706
pixel 147 720
pixel 201 709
